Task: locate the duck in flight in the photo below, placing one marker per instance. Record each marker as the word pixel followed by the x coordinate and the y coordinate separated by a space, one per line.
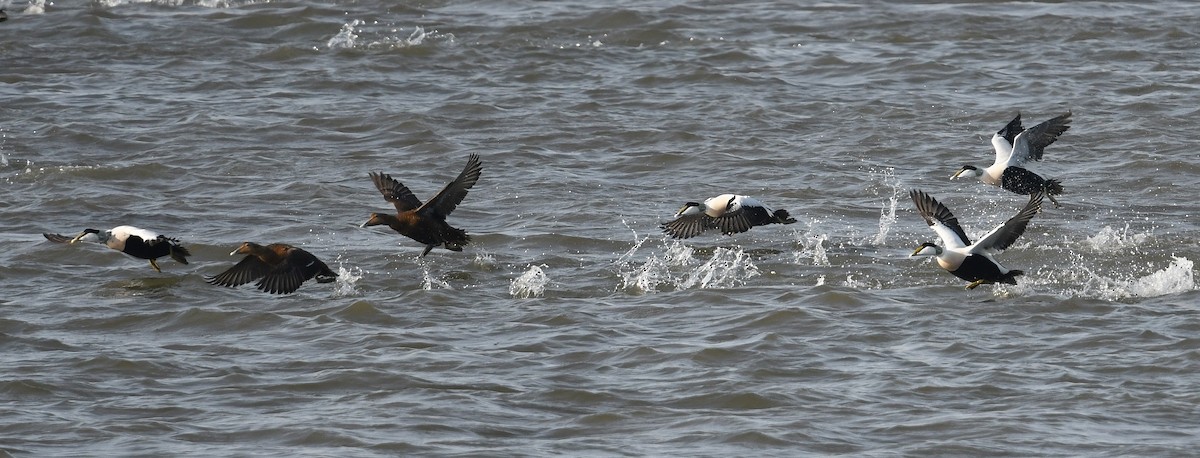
pixel 730 213
pixel 972 262
pixel 133 241
pixel 1014 147
pixel 279 268
pixel 426 223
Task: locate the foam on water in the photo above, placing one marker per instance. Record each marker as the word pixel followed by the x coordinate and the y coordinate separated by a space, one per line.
pixel 678 267
pixel 430 282
pixel 1109 238
pixel 532 283
pixel 346 37
pixel 887 213
pixel 812 248
pixel 347 280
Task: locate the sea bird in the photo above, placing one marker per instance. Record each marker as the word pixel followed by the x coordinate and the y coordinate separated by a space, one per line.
pixel 426 223
pixel 730 213
pixel 972 262
pixel 136 242
pixel 1014 147
pixel 282 268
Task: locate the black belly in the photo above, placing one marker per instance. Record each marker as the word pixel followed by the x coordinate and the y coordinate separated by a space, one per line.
pixel 1022 181
pixel 976 268
pixel 152 249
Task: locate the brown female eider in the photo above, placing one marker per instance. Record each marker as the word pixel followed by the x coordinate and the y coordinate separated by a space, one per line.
pixel 426 223
pixel 136 242
pixel 282 268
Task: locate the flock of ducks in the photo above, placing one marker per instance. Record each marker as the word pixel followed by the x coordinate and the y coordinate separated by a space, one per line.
pixel 280 268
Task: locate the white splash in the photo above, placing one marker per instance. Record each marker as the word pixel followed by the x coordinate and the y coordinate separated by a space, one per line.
pixel 677 266
pixel 1109 238
pixel 532 283
pixel 813 248
pixel 1175 278
pixel 347 280
pixel 345 38
pixel 726 268
pixel 36 7
pixel 887 214
pixel 484 259
pixel 428 281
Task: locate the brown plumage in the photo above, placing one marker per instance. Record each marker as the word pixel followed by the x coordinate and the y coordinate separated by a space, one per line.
pixel 426 223
pixel 282 268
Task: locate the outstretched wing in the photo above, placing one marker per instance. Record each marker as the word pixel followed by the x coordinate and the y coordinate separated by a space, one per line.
pixel 1006 234
pixel 1002 141
pixel 689 225
pixel 734 222
pixel 286 278
pixel 1030 143
pixel 450 196
pixel 394 192
pixel 247 270
pixel 56 238
pixel 940 219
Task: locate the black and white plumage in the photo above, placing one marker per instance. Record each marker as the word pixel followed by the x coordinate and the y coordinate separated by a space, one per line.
pixel 972 262
pixel 730 213
pixel 279 268
pixel 133 241
pixel 1014 147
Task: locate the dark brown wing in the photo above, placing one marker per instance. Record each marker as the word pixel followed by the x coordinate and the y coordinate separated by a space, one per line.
pixel 56 238
pixel 247 270
pixel 688 226
pixel 394 192
pixel 284 279
pixel 454 192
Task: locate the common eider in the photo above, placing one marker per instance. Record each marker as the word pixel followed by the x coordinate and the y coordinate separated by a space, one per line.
pixel 1014 147
pixel 282 268
pixel 972 262
pixel 426 223
pixel 136 242
pixel 730 213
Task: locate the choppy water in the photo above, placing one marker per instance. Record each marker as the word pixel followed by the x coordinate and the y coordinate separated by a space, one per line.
pixel 570 326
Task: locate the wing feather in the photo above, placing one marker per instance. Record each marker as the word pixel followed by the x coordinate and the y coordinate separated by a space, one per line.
pixel 1031 143
pixel 394 192
pixel 1004 235
pixel 688 226
pixel 940 219
pixel 245 271
pixel 450 196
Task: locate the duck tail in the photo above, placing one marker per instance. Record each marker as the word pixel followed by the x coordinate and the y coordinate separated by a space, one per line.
pixel 1054 187
pixel 782 217
pixel 1011 277
pixel 179 253
pixel 456 239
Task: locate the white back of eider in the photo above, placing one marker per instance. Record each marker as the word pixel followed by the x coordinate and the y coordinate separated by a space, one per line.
pixel 118 235
pixel 717 206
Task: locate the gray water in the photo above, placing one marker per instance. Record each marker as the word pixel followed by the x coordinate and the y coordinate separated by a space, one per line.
pixel 570 325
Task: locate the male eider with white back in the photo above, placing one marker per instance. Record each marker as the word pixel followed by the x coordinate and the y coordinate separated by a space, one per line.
pixel 730 213
pixel 1014 147
pixel 133 241
pixel 972 262
pixel 282 268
